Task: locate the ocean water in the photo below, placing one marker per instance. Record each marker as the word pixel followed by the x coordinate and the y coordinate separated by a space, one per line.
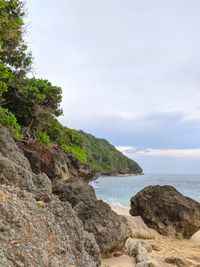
pixel 118 190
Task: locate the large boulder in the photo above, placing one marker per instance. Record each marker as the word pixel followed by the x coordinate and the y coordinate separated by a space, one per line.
pixel 109 228
pixel 47 234
pixel 74 191
pixel 58 164
pixel 168 211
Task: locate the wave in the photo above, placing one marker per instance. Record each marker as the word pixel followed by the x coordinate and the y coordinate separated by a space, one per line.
pixel 94 184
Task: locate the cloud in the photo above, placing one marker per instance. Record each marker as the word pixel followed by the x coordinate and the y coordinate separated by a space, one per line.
pixel 130 70
pixel 169 153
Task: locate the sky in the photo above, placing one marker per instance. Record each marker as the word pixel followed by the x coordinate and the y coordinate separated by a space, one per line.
pixel 130 73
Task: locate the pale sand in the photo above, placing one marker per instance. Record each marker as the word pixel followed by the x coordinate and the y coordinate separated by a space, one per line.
pixel 185 249
pixel 123 261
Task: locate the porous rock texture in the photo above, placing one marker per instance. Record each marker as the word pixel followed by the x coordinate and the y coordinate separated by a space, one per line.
pixel 138 228
pixel 36 228
pixel 10 150
pixel 110 229
pixel 47 236
pixel 75 191
pixel 167 210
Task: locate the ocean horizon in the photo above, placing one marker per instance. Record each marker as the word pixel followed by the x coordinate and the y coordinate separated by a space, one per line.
pixel 118 190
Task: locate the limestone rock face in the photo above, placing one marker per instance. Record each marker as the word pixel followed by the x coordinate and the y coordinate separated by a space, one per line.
pixel 168 211
pixel 48 235
pixel 55 162
pixel 110 229
pixel 16 175
pixel 10 150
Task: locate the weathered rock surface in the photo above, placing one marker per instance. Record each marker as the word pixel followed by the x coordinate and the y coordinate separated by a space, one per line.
pixel 55 162
pixel 168 211
pixel 49 235
pixel 10 150
pixel 138 228
pixel 109 228
pixel 75 191
pixel 136 249
pixel 16 175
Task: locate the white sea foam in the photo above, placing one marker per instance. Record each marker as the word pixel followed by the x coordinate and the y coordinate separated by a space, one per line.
pixel 94 184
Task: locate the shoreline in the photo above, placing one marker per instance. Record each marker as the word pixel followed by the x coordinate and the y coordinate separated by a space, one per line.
pixel 187 249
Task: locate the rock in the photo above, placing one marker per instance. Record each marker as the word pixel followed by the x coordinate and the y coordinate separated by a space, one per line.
pixel 130 247
pixel 146 245
pixel 139 228
pixel 137 249
pixel 141 253
pixel 177 261
pixel 109 228
pixel 10 150
pixel 118 254
pixel 149 263
pixel 75 191
pixel 47 236
pixel 156 247
pixel 58 164
pixel 168 211
pixel 13 174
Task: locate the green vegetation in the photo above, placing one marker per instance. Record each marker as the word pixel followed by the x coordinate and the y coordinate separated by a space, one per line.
pixel 105 158
pixel 33 104
pixel 9 120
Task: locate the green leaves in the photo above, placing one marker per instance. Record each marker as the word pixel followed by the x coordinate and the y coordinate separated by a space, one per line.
pixel 13 50
pixel 35 103
pixel 9 120
pixel 6 77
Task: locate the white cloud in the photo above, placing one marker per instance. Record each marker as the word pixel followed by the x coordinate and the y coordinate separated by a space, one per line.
pixel 170 153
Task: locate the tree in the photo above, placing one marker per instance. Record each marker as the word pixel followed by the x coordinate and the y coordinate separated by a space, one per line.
pixel 13 49
pixel 35 103
pixel 15 59
pixel 5 79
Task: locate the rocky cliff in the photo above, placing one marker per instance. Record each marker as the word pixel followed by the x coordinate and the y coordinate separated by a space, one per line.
pixel 49 215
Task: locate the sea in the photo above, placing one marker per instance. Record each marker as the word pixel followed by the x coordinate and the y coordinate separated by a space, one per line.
pixel 118 190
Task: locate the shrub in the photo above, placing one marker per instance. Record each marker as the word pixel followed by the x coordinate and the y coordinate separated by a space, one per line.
pixel 9 120
pixel 43 138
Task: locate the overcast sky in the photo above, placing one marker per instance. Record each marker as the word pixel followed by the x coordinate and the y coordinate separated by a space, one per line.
pixel 130 72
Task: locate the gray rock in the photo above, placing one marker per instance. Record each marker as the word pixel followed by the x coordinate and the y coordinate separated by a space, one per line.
pixel 139 228
pixel 16 175
pixel 130 247
pixel 48 235
pixel 75 191
pixel 110 229
pixel 141 253
pixel 10 150
pixel 137 248
pixel 168 211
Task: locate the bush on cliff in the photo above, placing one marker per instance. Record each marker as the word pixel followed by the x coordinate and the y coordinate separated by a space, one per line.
pixel 9 120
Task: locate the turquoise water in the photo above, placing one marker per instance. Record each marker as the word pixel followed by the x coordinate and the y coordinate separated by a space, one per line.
pixel 118 190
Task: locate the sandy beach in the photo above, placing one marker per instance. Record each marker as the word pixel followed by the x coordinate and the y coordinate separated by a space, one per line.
pixel 188 250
